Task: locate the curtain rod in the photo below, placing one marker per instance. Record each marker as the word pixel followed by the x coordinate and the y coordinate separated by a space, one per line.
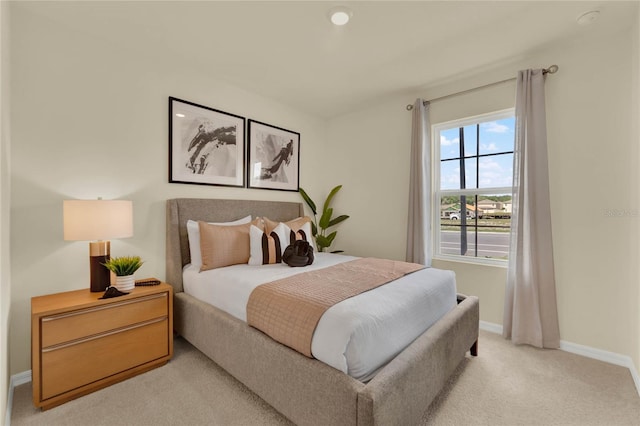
pixel 551 70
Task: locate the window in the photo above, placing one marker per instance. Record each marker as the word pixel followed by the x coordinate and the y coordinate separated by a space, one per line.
pixel 473 174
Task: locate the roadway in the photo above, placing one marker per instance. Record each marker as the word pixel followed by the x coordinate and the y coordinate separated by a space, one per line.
pixel 490 244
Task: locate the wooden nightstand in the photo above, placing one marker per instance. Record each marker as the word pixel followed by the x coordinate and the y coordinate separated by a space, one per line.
pixel 80 343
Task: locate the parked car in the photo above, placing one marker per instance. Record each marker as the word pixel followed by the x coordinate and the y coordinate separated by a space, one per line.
pixel 456 216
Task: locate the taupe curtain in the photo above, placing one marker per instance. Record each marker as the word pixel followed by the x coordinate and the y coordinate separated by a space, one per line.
pixel 419 223
pixel 530 314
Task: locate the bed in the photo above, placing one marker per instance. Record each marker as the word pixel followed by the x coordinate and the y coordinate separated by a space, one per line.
pixel 305 390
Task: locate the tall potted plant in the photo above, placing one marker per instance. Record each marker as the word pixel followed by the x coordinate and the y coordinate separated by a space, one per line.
pixel 320 229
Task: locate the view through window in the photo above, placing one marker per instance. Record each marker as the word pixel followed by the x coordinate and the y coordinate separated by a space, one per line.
pixel 473 184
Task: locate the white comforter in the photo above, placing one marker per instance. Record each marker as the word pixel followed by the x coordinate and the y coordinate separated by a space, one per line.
pixel 357 336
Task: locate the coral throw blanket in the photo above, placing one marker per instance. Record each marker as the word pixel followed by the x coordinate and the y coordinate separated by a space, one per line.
pixel 288 310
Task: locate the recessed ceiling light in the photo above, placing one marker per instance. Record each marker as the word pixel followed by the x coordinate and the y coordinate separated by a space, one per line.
pixel 588 18
pixel 340 15
pixel 180 115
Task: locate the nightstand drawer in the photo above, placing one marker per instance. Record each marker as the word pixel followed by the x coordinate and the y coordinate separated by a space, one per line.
pixel 74 325
pixel 69 366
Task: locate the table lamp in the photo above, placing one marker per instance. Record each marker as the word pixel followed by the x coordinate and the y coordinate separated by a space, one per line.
pixel 98 221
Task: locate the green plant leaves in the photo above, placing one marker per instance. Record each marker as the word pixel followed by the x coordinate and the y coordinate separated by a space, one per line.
pixel 337 220
pixel 330 197
pixel 308 200
pixel 322 242
pixel 123 266
pixel 326 219
pixel 331 237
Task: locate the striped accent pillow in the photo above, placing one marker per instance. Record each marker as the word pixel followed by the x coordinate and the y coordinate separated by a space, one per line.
pixel 303 233
pixel 266 248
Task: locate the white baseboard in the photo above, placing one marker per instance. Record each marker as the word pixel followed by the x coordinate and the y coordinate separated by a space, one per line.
pixel 586 351
pixel 599 354
pixel 491 327
pixel 16 380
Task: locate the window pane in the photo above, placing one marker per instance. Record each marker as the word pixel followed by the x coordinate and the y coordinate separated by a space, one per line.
pixel 449 143
pixel 496 171
pixel 489 245
pixel 497 136
pixel 485 236
pixel 471 140
pixel 450 174
pixel 471 177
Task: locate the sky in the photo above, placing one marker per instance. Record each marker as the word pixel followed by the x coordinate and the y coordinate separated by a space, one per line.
pixel 495 171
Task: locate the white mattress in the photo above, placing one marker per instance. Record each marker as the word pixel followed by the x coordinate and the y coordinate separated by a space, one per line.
pixel 357 336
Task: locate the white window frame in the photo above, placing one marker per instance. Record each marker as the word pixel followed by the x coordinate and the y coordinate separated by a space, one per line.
pixel 436 193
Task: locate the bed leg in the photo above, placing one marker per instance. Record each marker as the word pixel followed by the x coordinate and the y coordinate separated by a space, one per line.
pixel 474 349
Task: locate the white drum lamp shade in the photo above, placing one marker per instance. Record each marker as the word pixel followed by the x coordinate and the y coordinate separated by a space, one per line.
pixel 98 221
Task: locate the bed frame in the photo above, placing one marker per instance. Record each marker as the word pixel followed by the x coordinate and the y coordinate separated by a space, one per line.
pixel 305 390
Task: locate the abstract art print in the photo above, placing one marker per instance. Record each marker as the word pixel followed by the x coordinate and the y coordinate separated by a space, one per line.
pixel 206 146
pixel 274 157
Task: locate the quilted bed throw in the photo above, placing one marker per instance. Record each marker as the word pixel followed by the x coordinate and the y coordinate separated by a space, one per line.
pixel 288 310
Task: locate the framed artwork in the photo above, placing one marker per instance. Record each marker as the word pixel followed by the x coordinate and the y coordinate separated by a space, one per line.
pixel 206 146
pixel 274 157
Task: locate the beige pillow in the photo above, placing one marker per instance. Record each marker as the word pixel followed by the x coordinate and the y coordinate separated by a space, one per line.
pixel 193 233
pixel 225 245
pixel 294 224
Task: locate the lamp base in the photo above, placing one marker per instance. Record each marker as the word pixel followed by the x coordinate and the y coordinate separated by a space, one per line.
pixel 99 253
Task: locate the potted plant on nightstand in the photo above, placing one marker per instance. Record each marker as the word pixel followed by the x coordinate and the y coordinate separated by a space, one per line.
pixel 124 267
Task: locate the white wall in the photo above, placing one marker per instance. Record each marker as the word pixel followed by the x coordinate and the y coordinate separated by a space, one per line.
pixel 90 119
pixel 593 158
pixel 592 152
pixel 5 281
pixel 635 120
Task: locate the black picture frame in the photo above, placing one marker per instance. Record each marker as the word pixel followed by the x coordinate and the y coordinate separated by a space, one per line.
pixel 206 145
pixel 273 157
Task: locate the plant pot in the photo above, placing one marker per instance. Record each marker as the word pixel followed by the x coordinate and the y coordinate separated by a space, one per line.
pixel 125 283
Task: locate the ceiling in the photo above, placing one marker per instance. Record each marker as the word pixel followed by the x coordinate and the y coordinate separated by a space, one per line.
pixel 290 52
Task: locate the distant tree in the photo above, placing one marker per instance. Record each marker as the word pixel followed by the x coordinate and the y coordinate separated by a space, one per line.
pixel 500 198
pixel 450 199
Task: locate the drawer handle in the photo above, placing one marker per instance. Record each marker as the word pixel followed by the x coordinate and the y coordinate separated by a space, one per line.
pixel 100 336
pixel 109 306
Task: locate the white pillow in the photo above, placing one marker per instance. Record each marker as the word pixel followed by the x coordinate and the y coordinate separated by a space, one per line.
pixel 193 232
pixel 271 252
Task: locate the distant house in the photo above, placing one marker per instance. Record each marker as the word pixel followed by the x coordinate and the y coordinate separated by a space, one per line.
pixel 490 206
pixel 447 209
pixel 497 209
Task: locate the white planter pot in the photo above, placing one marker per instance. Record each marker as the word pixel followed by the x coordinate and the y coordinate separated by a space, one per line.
pixel 126 283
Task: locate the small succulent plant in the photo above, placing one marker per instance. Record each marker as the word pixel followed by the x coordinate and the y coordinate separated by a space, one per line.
pixel 123 266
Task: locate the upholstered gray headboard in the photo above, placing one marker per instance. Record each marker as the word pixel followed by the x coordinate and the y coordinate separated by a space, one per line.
pixel 180 210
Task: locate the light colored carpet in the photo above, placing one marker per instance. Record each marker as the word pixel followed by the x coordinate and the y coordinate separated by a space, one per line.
pixel 505 385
